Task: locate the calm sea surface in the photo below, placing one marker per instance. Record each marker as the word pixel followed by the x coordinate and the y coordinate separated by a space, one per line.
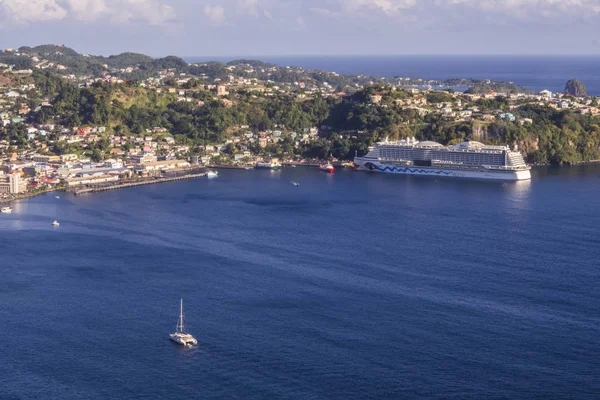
pixel 351 286
pixel 533 72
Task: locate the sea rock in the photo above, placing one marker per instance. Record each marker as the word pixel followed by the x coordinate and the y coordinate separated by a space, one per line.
pixel 575 88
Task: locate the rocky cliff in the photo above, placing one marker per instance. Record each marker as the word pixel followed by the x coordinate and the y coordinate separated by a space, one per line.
pixel 575 88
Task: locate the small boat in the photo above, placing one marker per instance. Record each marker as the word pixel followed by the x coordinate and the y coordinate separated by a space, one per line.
pixel 57 197
pixel 293 165
pixel 212 174
pixel 6 210
pixel 180 337
pixel 326 168
pixel 295 183
pixel 55 223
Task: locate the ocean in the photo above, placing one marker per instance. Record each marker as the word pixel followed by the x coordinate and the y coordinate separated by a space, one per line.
pixel 532 72
pixel 350 286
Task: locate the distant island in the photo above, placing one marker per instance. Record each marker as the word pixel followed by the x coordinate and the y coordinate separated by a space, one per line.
pixel 61 111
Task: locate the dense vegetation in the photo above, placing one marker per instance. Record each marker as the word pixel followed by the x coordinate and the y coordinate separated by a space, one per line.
pixel 144 67
pixel 348 124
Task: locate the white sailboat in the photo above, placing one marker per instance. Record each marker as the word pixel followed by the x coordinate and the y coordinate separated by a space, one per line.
pixel 180 337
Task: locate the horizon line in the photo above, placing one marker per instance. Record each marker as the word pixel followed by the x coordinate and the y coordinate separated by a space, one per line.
pixel 393 55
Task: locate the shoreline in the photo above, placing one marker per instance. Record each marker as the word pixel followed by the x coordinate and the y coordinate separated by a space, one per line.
pixel 164 179
pixel 27 195
pixel 112 186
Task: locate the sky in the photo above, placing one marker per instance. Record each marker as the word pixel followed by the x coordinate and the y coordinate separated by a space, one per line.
pixel 304 27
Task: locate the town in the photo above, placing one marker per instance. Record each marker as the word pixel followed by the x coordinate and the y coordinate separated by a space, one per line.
pixel 144 120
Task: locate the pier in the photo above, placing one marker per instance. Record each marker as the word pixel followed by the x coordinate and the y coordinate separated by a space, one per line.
pixel 104 188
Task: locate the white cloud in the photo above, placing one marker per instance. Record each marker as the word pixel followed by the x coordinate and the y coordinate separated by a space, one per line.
pixel 532 8
pixel 215 14
pixel 389 7
pixel 249 7
pixel 435 9
pixel 26 11
pixel 152 12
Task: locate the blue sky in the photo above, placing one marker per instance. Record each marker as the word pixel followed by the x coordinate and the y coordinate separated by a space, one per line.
pixel 297 27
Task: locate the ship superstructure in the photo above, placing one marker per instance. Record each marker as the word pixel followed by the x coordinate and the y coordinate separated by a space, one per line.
pixel 465 160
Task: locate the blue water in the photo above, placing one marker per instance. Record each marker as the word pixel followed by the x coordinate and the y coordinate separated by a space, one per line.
pixel 351 286
pixel 533 72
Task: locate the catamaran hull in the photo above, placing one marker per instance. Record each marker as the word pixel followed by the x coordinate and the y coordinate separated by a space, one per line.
pixel 184 342
pixel 376 166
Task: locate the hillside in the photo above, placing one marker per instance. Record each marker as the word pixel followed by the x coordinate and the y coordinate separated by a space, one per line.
pixel 135 66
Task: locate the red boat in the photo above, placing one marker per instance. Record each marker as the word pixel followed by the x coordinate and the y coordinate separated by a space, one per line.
pixel 326 168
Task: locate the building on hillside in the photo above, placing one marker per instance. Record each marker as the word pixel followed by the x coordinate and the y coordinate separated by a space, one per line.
pixel 45 159
pixel 376 98
pixel 143 158
pixel 508 116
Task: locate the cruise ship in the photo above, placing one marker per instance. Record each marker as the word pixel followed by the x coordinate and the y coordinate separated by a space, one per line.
pixel 464 160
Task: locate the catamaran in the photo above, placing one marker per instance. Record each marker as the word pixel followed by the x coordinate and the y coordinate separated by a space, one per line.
pixel 180 337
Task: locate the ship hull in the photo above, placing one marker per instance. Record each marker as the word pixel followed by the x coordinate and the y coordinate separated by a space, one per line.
pixel 267 166
pixel 371 165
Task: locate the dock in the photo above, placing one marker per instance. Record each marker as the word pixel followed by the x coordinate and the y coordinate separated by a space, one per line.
pixel 227 166
pixel 337 164
pixel 104 188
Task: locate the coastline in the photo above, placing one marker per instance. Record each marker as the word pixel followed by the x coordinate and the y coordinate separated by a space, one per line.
pixel 165 179
pixel 26 195
pixel 111 186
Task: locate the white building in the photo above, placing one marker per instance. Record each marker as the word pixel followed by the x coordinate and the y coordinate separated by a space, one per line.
pixel 164 165
pixel 12 184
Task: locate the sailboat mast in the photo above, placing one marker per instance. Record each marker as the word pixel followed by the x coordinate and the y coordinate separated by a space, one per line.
pixel 181 315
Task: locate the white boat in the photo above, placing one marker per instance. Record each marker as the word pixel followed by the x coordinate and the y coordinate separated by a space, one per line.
pixel 212 174
pixel 6 210
pixel 55 223
pixel 273 164
pixel 295 183
pixel 57 197
pixel 327 168
pixel 180 337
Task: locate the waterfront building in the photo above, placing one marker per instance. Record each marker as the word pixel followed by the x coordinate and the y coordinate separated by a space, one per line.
pixel 13 184
pixel 91 179
pixel 164 165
